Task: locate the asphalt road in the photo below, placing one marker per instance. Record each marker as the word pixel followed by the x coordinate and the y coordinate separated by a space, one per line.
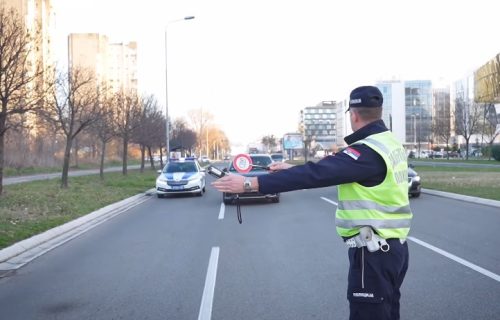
pixel 188 258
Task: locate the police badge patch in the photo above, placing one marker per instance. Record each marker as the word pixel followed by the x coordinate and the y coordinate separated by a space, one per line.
pixel 352 153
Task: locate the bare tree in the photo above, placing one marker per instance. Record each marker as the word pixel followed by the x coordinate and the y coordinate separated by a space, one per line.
pixel 104 128
pixel 269 142
pixel 441 129
pixel 183 137
pixel 127 118
pixel 467 120
pixel 148 133
pixel 199 121
pixel 74 107
pixel 22 85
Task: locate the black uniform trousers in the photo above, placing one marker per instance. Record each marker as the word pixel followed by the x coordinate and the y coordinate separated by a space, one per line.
pixel 374 281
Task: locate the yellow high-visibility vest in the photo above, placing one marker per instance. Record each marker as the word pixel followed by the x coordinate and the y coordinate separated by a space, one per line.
pixel 384 207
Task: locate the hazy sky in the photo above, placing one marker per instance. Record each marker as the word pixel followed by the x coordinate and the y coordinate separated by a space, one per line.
pixel 255 64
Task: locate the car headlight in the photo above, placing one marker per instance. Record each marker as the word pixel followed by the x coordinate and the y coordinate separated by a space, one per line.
pixel 416 178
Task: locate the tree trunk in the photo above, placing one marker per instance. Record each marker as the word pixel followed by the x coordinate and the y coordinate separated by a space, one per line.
pixel 467 148
pixel 151 160
pixel 143 152
pixel 76 152
pixel 161 158
pixel 124 157
pixel 101 166
pixel 2 146
pixel 67 158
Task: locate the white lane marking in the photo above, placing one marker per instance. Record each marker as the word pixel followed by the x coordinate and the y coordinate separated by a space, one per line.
pixel 331 201
pixel 221 211
pixel 208 291
pixel 446 254
pixel 457 259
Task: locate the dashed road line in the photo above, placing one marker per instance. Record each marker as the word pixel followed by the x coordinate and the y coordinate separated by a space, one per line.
pixel 208 291
pixel 221 211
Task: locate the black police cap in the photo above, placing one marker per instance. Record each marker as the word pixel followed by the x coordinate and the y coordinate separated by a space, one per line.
pixel 366 96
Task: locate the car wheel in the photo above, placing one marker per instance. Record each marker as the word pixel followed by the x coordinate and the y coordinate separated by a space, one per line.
pixel 416 195
pixel 159 195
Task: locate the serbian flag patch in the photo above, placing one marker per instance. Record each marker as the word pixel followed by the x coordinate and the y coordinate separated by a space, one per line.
pixel 352 153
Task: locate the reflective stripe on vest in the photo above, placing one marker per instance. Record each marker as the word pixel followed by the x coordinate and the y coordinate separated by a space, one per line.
pixel 384 207
pixel 368 204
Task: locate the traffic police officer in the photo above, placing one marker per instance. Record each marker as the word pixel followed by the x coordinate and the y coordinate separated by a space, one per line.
pixel 373 214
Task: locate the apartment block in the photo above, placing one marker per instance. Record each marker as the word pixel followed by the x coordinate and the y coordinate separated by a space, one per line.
pixel 114 64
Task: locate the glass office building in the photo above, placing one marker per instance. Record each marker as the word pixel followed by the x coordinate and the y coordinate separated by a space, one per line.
pixel 418 111
pixel 393 112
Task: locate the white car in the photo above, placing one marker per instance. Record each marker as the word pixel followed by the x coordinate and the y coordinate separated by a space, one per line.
pixel 181 176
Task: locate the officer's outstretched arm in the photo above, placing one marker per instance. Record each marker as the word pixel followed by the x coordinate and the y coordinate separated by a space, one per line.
pixel 277 166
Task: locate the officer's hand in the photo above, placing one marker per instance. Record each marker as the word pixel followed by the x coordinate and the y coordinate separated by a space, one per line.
pixel 232 183
pixel 277 166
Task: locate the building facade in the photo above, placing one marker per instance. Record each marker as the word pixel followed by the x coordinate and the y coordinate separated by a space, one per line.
pixel 319 125
pixel 113 64
pixel 393 113
pixel 38 17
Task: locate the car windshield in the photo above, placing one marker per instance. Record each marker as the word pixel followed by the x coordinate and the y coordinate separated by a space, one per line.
pixel 180 167
pixel 261 162
pixel 277 157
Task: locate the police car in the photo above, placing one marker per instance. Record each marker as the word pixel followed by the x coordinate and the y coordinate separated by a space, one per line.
pixel 182 175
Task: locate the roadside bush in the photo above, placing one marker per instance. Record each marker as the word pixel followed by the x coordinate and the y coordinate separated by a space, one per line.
pixel 495 152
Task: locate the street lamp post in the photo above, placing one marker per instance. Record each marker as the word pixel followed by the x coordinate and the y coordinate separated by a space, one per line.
pixel 167 126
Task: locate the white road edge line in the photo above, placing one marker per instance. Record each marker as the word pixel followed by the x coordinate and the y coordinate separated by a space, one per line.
pixel 331 201
pixel 457 259
pixel 221 211
pixel 208 291
pixel 445 253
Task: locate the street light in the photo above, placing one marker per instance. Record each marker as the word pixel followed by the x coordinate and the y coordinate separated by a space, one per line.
pixel 166 85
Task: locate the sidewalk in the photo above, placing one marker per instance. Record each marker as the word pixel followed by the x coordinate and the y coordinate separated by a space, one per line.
pixel 74 173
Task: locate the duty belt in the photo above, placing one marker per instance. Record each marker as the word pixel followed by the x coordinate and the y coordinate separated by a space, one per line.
pixel 369 239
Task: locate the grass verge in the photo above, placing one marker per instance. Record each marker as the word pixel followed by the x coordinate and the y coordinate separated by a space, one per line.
pixel 476 182
pixel 27 209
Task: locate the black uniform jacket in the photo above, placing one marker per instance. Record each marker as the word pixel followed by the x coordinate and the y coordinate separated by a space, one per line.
pixel 358 163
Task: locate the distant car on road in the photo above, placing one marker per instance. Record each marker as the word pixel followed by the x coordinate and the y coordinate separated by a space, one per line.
pixel 261 160
pixel 277 157
pixel 204 160
pixel 414 184
pixel 181 176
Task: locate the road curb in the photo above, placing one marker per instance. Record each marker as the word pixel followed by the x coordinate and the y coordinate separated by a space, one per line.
pixel 488 202
pixel 24 251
